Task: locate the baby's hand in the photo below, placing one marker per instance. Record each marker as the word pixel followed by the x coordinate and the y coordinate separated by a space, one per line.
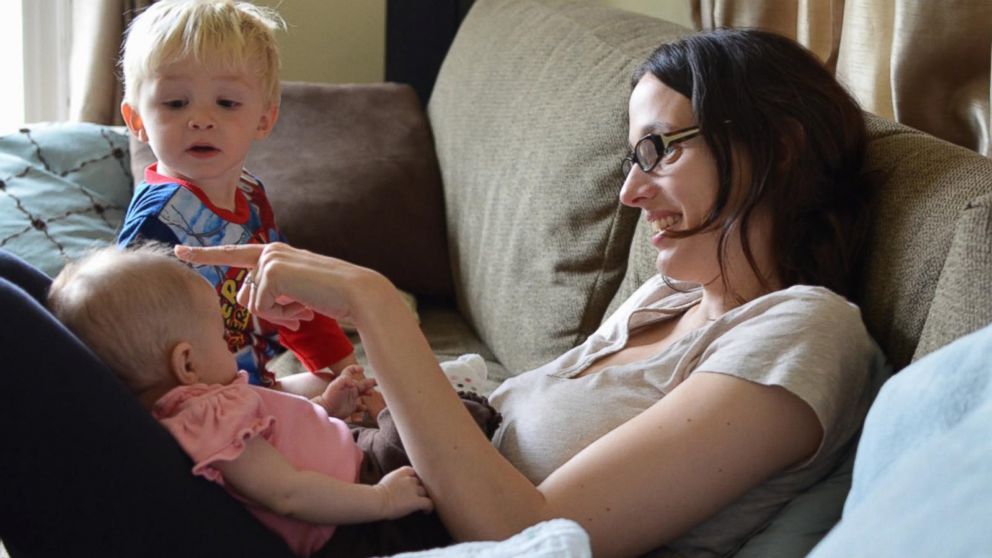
pixel 403 494
pixel 342 397
pixel 370 401
pixel 373 403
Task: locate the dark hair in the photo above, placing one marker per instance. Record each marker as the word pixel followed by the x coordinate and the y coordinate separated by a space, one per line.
pixel 767 99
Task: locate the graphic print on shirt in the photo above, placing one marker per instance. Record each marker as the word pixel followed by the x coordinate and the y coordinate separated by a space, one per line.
pixel 188 219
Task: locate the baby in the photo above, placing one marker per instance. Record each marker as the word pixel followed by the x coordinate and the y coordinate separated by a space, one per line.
pixel 201 85
pixel 155 323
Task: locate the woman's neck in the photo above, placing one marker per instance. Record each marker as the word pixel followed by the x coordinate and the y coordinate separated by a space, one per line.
pixel 719 298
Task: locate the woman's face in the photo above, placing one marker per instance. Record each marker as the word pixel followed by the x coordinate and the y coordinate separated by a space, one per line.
pixel 680 191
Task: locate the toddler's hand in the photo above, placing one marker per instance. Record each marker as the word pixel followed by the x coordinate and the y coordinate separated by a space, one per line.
pixel 403 494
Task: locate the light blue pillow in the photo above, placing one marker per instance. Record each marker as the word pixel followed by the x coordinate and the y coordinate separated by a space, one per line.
pixel 922 482
pixel 64 189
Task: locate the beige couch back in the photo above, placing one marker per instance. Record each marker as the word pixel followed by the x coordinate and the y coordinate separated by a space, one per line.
pixel 529 115
pixel 529 118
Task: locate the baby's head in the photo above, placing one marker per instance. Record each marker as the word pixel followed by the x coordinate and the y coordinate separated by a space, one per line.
pixel 221 35
pixel 154 321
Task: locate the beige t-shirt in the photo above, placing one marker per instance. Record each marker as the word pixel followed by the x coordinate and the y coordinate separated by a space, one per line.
pixel 808 340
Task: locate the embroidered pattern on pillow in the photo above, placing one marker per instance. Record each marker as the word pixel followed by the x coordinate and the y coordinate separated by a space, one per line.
pixel 64 189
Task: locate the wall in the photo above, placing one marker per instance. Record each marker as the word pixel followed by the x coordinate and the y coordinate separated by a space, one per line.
pixel 343 41
pixel 333 41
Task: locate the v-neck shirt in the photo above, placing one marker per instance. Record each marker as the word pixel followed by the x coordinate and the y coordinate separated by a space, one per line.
pixel 806 339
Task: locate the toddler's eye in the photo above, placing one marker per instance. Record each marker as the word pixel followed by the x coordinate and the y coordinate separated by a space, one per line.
pixel 227 103
pixel 175 103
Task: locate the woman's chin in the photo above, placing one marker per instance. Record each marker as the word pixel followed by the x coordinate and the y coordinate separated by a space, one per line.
pixel 664 266
pixel 673 272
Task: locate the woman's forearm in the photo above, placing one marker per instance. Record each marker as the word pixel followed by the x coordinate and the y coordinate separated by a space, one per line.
pixel 477 492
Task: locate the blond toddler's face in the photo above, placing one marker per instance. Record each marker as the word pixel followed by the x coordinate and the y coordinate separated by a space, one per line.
pixel 201 122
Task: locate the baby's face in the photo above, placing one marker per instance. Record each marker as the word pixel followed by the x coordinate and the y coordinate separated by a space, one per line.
pixel 201 121
pixel 216 364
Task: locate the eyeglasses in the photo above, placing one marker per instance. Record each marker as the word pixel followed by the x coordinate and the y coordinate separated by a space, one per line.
pixel 655 148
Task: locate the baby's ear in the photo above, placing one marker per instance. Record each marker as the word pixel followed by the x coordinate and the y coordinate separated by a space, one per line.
pixel 181 364
pixel 267 122
pixel 134 122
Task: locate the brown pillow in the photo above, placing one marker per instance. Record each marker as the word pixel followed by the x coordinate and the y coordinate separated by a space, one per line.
pixel 350 171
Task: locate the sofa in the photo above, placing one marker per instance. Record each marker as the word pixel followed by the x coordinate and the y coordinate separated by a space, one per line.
pixel 497 209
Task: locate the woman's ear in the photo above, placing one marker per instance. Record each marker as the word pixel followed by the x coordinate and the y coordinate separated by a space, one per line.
pixel 181 364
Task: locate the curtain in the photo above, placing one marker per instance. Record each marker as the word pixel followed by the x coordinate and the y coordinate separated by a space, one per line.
pixel 922 63
pixel 97 30
pixel 925 64
pixel 814 23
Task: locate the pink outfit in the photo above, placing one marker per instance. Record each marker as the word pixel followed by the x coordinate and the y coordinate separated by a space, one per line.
pixel 213 422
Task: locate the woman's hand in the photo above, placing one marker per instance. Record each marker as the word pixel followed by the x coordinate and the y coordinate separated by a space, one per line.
pixel 286 285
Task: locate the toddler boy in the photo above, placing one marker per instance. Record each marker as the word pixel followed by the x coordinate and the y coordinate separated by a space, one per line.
pixel 200 86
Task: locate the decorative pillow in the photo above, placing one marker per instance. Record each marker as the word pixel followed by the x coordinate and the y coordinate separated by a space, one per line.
pixel 64 189
pixel 351 173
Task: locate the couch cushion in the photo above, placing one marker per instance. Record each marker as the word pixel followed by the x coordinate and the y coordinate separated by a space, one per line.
pixel 963 300
pixel 351 173
pixel 448 333
pixel 63 190
pixel 922 186
pixel 529 114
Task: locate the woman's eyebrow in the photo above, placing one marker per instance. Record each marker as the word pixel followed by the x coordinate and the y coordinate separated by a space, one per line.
pixel 655 127
pixel 659 126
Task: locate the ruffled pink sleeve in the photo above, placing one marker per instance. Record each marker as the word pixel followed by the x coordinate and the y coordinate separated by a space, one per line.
pixel 213 423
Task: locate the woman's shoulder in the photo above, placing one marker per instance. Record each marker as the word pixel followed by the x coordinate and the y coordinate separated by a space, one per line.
pixel 808 304
pixel 798 320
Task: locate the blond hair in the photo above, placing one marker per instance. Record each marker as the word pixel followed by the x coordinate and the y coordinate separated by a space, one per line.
pixel 215 33
pixel 130 307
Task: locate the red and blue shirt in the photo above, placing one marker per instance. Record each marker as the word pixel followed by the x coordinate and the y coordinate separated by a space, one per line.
pixel 173 211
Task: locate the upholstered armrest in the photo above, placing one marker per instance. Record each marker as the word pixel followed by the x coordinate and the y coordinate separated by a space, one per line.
pixel 351 173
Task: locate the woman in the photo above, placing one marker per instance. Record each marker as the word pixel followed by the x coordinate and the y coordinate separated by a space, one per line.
pixel 722 388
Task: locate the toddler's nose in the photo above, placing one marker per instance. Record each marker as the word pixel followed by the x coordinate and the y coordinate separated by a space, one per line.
pixel 200 122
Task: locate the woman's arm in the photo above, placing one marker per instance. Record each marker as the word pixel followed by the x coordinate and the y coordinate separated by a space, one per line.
pixel 651 479
pixel 261 474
